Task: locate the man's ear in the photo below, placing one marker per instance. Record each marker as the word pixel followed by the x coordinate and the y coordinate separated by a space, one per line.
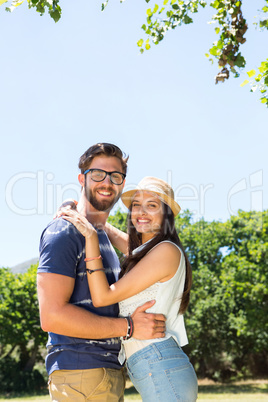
pixel 81 179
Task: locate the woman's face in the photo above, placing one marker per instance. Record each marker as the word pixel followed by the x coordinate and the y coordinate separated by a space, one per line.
pixel 146 214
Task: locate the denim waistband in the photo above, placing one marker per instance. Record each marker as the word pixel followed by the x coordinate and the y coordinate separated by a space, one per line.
pixel 155 347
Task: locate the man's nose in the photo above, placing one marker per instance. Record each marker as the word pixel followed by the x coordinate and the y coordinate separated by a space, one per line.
pixel 107 180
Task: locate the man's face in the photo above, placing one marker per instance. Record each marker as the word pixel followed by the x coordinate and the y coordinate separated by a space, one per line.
pixel 103 195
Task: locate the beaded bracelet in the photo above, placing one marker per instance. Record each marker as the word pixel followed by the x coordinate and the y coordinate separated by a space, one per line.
pixel 130 328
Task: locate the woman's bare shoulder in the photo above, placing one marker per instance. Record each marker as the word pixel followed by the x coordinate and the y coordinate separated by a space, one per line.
pixel 166 248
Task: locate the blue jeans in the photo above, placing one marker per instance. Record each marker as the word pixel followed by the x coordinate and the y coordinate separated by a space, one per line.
pixel 163 372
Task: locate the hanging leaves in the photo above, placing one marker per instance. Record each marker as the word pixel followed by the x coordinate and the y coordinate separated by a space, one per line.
pixel 41 6
pixel 161 18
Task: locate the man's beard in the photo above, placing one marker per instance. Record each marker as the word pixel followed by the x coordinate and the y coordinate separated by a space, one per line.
pixel 104 205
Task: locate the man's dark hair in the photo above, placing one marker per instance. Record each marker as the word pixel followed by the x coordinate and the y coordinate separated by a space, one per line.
pixel 105 149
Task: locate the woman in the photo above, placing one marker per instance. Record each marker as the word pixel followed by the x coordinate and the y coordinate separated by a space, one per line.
pixel 156 268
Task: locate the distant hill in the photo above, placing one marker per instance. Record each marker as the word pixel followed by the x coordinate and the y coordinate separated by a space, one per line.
pixel 23 267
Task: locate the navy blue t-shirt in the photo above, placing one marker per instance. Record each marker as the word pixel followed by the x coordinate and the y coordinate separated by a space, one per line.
pixel 62 251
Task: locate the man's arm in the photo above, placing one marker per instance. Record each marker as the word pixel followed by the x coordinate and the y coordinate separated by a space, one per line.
pixel 59 316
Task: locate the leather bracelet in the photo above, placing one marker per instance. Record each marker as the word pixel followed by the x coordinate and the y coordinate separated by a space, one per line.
pixel 130 328
pixel 90 271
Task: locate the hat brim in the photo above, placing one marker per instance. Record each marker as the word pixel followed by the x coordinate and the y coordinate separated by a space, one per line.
pixel 128 196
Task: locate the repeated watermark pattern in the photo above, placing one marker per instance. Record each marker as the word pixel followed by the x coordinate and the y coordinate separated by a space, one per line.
pixel 48 195
pixel 254 183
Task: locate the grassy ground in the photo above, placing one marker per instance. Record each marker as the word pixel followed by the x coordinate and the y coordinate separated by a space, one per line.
pixel 246 391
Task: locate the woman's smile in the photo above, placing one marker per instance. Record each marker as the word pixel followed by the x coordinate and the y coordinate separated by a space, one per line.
pixel 146 214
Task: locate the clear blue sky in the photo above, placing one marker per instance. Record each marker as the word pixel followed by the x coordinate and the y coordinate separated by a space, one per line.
pixel 68 85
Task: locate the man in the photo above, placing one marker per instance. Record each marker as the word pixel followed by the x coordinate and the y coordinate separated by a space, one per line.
pixel 83 344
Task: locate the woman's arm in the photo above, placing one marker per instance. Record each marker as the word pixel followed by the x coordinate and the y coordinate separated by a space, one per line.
pixel 118 238
pixel 59 316
pixel 158 265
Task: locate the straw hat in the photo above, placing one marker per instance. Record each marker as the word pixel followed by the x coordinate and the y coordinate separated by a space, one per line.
pixel 157 186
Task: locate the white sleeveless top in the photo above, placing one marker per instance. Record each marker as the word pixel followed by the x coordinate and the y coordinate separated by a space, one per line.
pixel 168 299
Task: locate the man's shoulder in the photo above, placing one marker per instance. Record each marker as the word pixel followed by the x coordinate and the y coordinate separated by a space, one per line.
pixel 61 248
pixel 60 228
pixel 61 234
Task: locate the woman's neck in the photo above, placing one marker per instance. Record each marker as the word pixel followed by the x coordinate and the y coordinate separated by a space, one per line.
pixel 146 237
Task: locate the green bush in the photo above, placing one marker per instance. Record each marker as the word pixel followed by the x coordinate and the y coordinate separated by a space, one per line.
pixel 14 379
pixel 22 340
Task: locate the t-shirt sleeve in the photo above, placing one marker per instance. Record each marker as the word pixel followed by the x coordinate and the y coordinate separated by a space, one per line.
pixel 60 249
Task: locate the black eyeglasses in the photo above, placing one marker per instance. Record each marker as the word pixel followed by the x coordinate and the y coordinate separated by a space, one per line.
pixel 99 175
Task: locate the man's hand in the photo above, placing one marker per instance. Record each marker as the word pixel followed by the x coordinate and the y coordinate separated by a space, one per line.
pixel 148 325
pixel 69 204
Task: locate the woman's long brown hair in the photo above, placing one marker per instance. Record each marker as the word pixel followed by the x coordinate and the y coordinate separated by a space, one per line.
pixel 167 232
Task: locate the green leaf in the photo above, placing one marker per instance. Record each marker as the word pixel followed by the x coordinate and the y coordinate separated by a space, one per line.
pixel 264 24
pixel 149 12
pixel 240 61
pixel 214 51
pixel 258 78
pixel 103 6
pixel 263 67
pixel 156 7
pixel 56 15
pixel 165 2
pixel 215 4
pixel 187 20
pixel 140 42
pixel 217 30
pixel 244 83
pixel 2 2
pixel 251 73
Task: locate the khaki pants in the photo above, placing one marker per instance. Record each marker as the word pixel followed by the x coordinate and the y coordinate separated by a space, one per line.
pixel 98 384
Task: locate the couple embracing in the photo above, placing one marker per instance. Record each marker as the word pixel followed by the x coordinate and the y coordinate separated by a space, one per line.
pixel 100 315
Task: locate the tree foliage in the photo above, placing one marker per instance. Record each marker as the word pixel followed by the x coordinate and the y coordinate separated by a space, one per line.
pixel 21 338
pixel 230 30
pixel 226 321
pixel 41 6
pixel 227 317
